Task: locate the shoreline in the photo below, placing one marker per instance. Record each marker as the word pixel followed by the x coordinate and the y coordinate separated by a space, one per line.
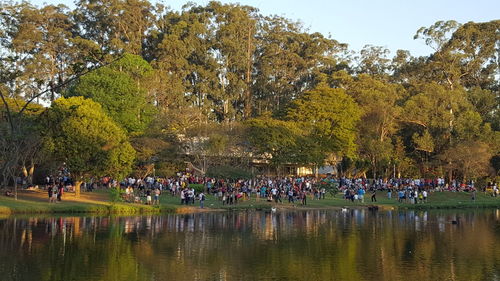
pixel 154 210
pixel 35 203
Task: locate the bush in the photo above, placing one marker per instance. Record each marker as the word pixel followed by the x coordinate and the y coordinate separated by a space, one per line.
pixel 228 172
pixel 197 187
pixel 115 194
pixel 330 186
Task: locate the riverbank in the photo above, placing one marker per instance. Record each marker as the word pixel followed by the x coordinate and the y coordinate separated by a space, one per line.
pixel 36 202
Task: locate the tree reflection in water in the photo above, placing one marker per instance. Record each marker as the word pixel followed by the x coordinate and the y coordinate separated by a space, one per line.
pixel 305 245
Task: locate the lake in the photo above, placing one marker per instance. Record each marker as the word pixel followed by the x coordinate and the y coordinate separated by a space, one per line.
pixel 255 245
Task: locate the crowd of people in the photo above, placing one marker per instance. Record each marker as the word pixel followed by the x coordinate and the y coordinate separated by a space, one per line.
pixel 295 190
pixel 56 186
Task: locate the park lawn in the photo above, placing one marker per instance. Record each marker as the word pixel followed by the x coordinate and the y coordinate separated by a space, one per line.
pixel 89 202
pixel 32 202
pixel 436 200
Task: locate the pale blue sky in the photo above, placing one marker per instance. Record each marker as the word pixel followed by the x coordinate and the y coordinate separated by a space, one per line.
pixel 389 23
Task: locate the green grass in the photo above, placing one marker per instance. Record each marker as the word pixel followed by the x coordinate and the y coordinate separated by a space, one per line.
pixel 168 203
pixel 22 206
pixel 436 200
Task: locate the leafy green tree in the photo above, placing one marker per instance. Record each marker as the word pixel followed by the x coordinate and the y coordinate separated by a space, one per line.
pixel 235 43
pixel 87 140
pixel 283 142
pixel 180 49
pixel 118 89
pixel 116 26
pixel 380 102
pixel 330 116
pixel 464 54
pixel 373 60
pixel 471 160
pixel 486 103
pixel 289 61
pixel 474 47
pixel 39 48
pixel 229 172
pixel 20 139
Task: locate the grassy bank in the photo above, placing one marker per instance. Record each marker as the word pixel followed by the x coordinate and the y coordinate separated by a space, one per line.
pixel 436 200
pixel 35 202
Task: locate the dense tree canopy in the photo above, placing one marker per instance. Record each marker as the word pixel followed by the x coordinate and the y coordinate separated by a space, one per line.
pixel 89 143
pixel 222 83
pixel 119 91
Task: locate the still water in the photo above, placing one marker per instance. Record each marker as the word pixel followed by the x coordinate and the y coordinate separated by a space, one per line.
pixel 302 245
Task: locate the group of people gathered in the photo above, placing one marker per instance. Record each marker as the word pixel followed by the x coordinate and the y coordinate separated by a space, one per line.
pixel 55 192
pixel 278 189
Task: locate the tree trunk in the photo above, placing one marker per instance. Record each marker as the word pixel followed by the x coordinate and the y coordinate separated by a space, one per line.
pixel 450 175
pixel 31 172
pixel 78 184
pixel 15 188
pixel 248 94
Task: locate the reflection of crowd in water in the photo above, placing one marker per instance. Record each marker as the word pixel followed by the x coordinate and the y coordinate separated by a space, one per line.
pixel 265 225
pixel 200 246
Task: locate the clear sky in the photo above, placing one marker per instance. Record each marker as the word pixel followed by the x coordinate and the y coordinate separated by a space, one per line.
pixel 388 23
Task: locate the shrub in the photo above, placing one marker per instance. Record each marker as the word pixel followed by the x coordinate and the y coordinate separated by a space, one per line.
pixel 228 172
pixel 197 187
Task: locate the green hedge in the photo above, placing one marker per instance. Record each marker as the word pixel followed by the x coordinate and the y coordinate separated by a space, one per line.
pixel 197 187
pixel 228 172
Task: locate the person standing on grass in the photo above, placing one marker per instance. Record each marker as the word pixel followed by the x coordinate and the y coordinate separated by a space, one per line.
pixel 148 197
pixel 473 195
pixel 157 196
pixel 290 195
pixel 60 192
pixel 127 193
pixel 50 190
pixel 191 195
pixel 274 192
pixel 361 195
pixel 183 197
pixel 54 196
pixel 224 199
pixel 304 198
pixel 374 195
pixel 202 199
pixel 401 196
pixel 424 195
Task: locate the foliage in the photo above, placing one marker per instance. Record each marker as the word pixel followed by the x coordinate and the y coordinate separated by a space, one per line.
pixel 117 88
pixel 331 117
pixel 220 84
pixel 329 185
pixel 21 140
pixel 115 194
pixel 228 172
pixel 197 187
pixel 283 141
pixel 88 141
pixel 470 159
